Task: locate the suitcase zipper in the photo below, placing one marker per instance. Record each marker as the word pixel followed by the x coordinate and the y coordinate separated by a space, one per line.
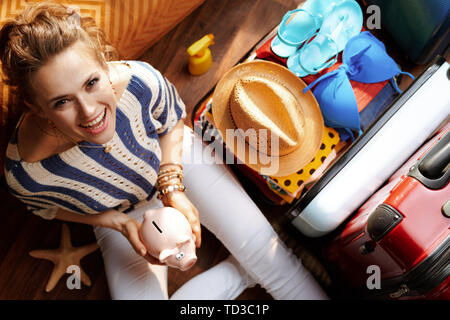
pixel 424 277
pixel 419 281
pixel 432 272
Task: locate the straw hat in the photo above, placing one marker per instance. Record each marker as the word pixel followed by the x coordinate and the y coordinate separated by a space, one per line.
pixel 265 118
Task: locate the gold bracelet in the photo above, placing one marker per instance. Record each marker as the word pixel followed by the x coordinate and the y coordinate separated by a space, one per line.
pixel 171 163
pixel 161 185
pixel 168 180
pixel 171 188
pixel 167 176
pixel 168 185
pixel 162 172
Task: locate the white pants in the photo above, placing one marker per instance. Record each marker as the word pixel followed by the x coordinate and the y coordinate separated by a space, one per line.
pixel 258 255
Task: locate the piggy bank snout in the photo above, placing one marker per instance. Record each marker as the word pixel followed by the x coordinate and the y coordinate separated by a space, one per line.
pixel 184 258
pixel 188 263
pixel 183 263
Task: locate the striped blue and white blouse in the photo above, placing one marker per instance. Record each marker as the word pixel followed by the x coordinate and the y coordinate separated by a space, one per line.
pixel 88 180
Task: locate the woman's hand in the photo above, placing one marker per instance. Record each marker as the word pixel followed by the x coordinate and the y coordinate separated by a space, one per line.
pixel 180 201
pixel 129 227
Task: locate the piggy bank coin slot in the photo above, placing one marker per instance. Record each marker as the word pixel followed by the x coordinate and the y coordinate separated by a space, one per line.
pixel 156 226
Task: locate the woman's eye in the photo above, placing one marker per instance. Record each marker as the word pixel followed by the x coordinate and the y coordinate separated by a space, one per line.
pixel 92 82
pixel 60 102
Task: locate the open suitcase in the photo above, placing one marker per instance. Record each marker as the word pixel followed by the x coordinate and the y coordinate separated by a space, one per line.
pixel 376 154
pixel 397 246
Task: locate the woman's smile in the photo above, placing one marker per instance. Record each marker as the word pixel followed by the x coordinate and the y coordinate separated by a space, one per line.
pixel 98 125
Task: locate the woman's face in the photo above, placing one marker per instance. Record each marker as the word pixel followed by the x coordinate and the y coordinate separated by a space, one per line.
pixel 73 91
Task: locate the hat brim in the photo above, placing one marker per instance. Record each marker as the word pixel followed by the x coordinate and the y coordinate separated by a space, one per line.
pixel 313 121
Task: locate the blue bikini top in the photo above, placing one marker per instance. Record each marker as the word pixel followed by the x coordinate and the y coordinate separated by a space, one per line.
pixel 364 60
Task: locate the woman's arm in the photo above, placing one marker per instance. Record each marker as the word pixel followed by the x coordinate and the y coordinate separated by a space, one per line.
pixel 172 145
pixel 110 218
pixel 172 152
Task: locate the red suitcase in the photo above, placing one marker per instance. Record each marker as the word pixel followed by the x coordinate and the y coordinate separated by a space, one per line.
pixel 397 246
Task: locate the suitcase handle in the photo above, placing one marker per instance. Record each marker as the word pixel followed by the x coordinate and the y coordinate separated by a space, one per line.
pixel 436 161
pixel 433 169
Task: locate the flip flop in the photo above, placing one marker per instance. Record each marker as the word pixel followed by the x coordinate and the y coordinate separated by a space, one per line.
pixel 342 23
pixel 299 25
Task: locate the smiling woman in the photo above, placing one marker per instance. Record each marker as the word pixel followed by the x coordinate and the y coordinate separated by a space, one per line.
pixel 35 73
pixel 101 142
pixel 82 104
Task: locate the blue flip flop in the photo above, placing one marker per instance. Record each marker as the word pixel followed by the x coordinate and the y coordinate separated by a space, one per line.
pixel 342 23
pixel 299 25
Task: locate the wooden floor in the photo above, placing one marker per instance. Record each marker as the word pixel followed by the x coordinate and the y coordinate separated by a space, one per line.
pixel 237 26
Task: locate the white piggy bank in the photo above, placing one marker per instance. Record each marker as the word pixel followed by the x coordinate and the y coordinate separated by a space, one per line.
pixel 168 237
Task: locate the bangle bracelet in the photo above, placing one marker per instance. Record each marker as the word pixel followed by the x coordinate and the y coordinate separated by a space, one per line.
pixel 169 180
pixel 163 172
pixel 171 188
pixel 169 175
pixel 171 163
pixel 161 185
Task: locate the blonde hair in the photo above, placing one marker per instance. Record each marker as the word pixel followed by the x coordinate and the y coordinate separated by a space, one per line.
pixel 40 32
